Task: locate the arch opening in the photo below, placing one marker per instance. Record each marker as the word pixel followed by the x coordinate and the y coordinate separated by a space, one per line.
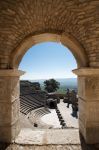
pixel 67 40
pixel 52 97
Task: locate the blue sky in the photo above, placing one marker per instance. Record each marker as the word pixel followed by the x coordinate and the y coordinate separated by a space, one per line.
pixel 48 60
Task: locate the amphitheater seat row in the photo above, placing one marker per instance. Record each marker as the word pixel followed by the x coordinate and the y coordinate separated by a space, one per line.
pixel 36 115
pixel 29 103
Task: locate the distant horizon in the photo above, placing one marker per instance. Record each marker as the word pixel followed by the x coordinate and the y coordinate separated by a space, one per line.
pixel 50 78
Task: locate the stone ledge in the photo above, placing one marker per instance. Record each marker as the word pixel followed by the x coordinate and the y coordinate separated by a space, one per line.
pixel 86 72
pixel 48 137
pixel 11 73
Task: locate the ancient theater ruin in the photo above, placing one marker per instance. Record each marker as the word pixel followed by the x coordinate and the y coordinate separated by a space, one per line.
pixel 75 24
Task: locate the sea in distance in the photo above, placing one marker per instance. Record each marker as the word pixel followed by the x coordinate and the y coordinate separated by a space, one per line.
pixel 65 83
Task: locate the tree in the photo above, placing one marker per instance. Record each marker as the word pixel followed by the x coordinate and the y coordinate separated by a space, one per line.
pixel 51 85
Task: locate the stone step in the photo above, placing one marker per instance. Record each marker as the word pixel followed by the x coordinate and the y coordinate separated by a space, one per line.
pixel 48 137
pixel 48 147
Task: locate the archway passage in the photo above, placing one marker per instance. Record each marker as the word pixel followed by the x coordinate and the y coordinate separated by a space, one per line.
pixel 49 61
pixel 82 61
pixel 22 19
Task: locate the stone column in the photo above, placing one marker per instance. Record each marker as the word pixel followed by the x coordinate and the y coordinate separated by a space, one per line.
pixel 9 104
pixel 88 93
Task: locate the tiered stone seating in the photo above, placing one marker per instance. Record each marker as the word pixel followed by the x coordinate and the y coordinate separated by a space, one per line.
pixel 38 97
pixel 29 99
pixel 36 115
pixel 28 103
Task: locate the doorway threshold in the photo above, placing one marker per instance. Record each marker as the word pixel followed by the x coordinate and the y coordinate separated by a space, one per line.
pixel 28 136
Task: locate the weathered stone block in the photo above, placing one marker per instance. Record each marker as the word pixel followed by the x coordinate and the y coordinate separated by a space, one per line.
pixel 9 89
pixel 88 93
pixel 8 133
pixel 88 88
pixel 9 105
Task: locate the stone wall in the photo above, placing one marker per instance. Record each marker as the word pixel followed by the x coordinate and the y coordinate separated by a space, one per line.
pixel 9 105
pixel 88 94
pixel 19 19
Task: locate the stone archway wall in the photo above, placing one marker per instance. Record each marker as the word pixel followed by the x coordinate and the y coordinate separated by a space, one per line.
pixel 20 19
pixel 67 40
pixel 77 23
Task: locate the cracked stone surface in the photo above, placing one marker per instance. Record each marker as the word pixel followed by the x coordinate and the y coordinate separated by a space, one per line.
pixel 47 136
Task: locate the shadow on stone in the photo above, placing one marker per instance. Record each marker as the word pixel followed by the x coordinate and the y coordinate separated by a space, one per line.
pixel 85 146
pixel 4 146
pixel 35 125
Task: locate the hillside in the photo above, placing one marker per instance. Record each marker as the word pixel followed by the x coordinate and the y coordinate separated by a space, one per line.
pixel 65 83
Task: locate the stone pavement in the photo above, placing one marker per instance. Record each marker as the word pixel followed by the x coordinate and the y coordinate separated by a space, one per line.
pixel 51 119
pixel 54 139
pixel 44 147
pixel 48 136
pixel 51 139
pixel 70 121
pixel 14 146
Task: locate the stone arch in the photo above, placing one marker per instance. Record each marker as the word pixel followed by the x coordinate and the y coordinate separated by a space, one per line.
pixel 18 19
pixel 66 39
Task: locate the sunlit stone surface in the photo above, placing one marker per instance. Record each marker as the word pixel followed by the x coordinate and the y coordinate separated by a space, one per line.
pixel 51 119
pixel 71 122
pixel 47 136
